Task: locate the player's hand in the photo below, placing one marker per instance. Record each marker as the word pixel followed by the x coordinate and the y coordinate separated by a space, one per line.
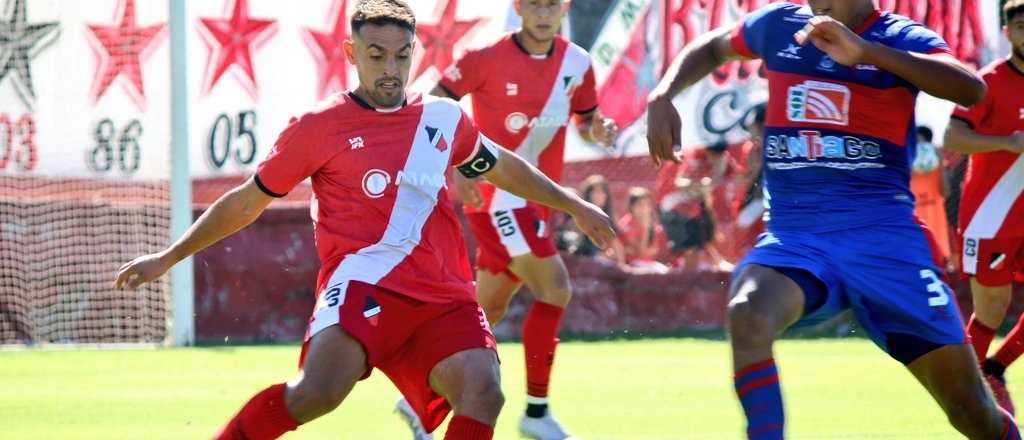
pixel 663 130
pixel 835 39
pixel 592 221
pixel 467 190
pixel 605 131
pixel 1016 142
pixel 142 270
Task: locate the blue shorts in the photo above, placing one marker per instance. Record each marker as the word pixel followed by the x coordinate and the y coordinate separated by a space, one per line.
pixel 886 273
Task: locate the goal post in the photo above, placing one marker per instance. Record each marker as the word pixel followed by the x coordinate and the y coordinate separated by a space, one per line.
pixel 182 276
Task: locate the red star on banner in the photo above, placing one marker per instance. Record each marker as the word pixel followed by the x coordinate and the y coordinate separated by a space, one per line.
pixel 332 65
pixel 120 50
pixel 231 42
pixel 438 40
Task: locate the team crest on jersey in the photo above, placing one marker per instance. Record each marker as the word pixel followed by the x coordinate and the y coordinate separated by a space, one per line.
pixel 436 138
pixel 819 102
pixel 568 85
pixel 371 311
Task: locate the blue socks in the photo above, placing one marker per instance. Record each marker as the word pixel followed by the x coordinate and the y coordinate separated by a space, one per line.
pixel 758 389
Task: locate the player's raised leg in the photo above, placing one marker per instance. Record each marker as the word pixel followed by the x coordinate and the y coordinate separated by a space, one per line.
pixel 951 375
pixel 334 363
pixel 764 302
pixel 548 279
pixel 470 381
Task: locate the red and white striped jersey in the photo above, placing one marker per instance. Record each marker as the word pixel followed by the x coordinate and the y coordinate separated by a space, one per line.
pixel 380 207
pixel 524 102
pixel 992 205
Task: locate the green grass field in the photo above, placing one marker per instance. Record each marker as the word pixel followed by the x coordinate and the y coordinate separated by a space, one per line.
pixel 658 389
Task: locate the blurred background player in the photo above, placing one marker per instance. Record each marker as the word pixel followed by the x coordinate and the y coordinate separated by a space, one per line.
pixel 841 234
pixel 385 229
pixel 930 186
pixel 525 88
pixel 992 207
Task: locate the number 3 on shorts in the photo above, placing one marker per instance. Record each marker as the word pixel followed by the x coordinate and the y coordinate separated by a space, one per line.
pixel 936 286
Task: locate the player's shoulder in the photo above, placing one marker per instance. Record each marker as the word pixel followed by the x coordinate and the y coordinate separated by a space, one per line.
pixel 781 12
pixel 325 113
pixel 1001 70
pixel 441 106
pixel 495 46
pixel 573 50
pixel 897 30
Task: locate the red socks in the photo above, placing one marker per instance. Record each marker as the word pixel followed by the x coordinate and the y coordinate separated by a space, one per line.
pixel 981 337
pixel 1013 345
pixel 540 337
pixel 465 428
pixel 264 417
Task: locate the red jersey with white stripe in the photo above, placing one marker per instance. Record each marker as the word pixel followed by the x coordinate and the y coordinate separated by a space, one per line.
pixel 992 205
pixel 380 207
pixel 524 102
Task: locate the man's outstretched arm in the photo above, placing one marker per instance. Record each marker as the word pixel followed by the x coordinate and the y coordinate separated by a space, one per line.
pixel 696 61
pixel 511 173
pixel 231 212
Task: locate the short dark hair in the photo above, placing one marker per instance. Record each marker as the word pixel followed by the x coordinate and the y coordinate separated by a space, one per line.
pixel 382 12
pixel 1011 9
pixel 925 132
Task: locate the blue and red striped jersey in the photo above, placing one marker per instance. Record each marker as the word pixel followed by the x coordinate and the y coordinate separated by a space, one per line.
pixel 839 140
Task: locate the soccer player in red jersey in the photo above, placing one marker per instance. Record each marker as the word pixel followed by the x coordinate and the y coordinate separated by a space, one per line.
pixel 991 222
pixel 395 291
pixel 525 89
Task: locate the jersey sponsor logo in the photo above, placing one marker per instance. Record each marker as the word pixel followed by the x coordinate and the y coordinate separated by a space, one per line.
pixel 792 52
pixel 819 102
pixel 356 142
pixel 453 74
pixel 511 89
pixel 811 145
pixel 375 182
pixel 517 121
pixel 437 139
pixel 869 67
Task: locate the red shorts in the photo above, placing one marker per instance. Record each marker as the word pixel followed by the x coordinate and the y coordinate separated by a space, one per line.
pixel 503 235
pixel 994 262
pixel 403 337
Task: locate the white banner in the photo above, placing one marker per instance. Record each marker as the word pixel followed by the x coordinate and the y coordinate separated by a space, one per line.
pixel 86 94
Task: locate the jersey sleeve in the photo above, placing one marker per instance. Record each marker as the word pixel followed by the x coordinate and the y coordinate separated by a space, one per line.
pixel 584 99
pixel 915 37
pixel 975 116
pixel 749 36
pixel 473 154
pixel 465 76
pixel 295 156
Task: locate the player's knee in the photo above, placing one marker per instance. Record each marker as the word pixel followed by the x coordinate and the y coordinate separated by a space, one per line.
pixel 489 399
pixel 556 291
pixel 494 310
pixel 749 326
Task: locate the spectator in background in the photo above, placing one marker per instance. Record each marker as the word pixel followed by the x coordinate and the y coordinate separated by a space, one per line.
pixel 641 233
pixel 930 186
pixel 748 206
pixel 594 189
pixel 688 223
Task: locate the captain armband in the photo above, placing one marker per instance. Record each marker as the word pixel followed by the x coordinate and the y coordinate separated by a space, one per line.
pixel 482 162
